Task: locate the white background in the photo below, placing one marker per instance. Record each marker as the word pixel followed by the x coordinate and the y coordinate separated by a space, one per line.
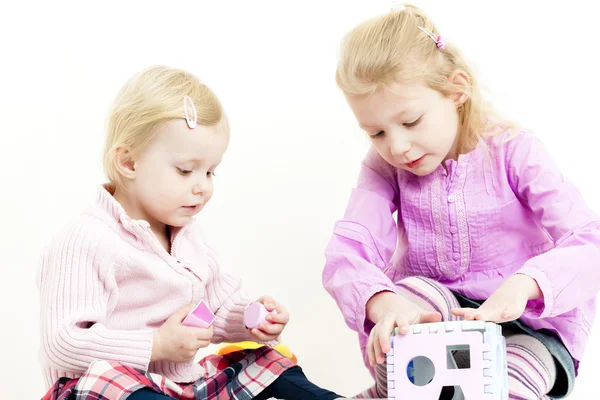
pixel 295 148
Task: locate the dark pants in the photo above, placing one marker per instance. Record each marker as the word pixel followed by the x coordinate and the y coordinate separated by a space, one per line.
pixel 291 385
pixel 294 385
pixel 147 394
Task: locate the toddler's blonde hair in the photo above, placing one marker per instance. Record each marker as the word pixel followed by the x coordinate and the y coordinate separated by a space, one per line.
pixel 147 99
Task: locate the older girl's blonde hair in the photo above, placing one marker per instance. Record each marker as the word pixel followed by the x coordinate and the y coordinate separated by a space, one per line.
pixel 147 99
pixel 391 48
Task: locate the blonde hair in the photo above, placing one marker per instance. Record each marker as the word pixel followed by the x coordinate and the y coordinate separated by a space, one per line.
pixel 147 99
pixel 391 48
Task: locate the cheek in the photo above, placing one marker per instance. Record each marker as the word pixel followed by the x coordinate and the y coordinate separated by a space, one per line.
pixel 381 146
pixel 162 187
pixel 383 149
pixel 209 191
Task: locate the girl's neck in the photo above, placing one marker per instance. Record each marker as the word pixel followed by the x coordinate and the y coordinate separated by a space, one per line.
pixel 134 210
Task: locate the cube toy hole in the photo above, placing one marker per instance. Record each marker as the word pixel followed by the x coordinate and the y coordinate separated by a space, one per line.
pixel 451 393
pixel 461 355
pixel 420 371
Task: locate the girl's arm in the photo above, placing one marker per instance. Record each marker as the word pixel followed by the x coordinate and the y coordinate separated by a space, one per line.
pixel 363 243
pixel 569 274
pixel 77 285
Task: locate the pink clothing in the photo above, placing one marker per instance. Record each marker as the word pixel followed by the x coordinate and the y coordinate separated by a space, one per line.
pixel 502 209
pixel 107 283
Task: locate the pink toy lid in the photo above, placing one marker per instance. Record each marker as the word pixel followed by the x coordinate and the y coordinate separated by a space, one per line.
pixel 256 314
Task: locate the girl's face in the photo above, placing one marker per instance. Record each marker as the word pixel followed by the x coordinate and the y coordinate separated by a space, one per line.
pixel 411 126
pixel 173 177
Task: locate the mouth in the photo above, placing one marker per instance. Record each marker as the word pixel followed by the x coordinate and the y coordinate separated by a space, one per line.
pixel 415 163
pixel 194 208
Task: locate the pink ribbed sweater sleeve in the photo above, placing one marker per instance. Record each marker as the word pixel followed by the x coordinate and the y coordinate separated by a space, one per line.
pixel 77 290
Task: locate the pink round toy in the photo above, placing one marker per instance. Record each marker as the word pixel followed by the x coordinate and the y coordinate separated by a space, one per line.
pixel 256 314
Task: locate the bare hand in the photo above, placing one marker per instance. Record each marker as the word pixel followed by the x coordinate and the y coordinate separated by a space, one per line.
pixel 177 343
pixel 507 303
pixel 388 311
pixel 271 331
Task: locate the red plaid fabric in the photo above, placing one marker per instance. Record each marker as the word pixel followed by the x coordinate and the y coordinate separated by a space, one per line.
pixel 239 375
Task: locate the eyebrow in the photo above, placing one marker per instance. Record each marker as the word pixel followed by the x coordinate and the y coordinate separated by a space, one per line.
pixel 396 116
pixel 194 160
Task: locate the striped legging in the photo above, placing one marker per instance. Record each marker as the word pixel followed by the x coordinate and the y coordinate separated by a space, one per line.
pixel 531 367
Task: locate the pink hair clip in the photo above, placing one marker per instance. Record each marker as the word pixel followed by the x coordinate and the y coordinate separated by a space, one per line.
pixel 439 41
pixel 191 122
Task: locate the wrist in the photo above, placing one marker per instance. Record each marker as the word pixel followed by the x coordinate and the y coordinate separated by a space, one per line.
pixel 378 305
pixel 529 286
pixel 156 354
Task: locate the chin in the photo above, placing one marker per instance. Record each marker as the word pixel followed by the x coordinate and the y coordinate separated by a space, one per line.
pixel 179 222
pixel 421 171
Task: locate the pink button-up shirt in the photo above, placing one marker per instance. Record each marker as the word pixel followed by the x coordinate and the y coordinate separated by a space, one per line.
pixel 501 209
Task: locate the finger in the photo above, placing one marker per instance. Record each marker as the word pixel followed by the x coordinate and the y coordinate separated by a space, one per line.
pixel 280 317
pixel 268 302
pixel 195 333
pixel 377 348
pixel 192 354
pixel 271 329
pixel 432 316
pixel 483 313
pixel 496 316
pixel 263 337
pixel 387 326
pixel 280 308
pixel 473 315
pixel 460 312
pixel 180 314
pixel 370 348
pixel 200 344
pixel 203 334
pixel 403 326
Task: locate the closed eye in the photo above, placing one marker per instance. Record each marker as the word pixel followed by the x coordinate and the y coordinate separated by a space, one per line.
pixel 414 123
pixel 184 172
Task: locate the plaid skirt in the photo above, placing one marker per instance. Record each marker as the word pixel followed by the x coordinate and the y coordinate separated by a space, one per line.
pixel 239 375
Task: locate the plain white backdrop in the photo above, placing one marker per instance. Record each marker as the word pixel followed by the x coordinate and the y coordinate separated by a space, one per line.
pixel 295 148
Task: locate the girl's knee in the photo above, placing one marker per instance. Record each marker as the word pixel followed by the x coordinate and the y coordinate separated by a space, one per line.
pixel 429 295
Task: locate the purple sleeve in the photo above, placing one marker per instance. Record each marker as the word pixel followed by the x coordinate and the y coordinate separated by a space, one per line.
pixel 363 243
pixel 569 274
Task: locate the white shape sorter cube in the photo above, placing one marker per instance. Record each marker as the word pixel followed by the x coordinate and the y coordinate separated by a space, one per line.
pixel 420 363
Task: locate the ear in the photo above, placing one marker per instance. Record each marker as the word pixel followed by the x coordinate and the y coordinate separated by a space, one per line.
pixel 461 80
pixel 124 163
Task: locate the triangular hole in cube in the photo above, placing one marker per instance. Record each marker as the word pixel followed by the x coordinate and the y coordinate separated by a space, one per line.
pixel 458 356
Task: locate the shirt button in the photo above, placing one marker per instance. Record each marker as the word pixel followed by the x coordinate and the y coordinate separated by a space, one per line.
pixel 456 256
pixel 451 199
pixel 453 230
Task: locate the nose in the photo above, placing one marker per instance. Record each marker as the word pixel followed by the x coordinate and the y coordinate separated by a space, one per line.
pixel 399 145
pixel 200 186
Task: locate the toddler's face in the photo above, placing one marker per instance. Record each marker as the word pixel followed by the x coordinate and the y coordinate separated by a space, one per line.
pixel 174 174
pixel 412 126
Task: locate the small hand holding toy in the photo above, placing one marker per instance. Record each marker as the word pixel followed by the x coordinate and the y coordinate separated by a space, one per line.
pixel 266 319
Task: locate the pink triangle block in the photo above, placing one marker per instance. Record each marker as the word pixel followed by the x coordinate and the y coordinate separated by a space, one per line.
pixel 200 317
